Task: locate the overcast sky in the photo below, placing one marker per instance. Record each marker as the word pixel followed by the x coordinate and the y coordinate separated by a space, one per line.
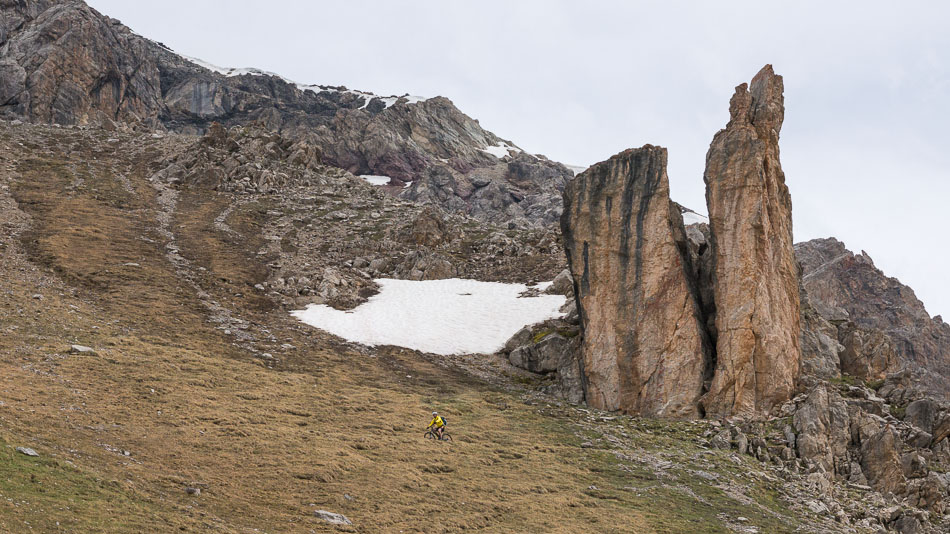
pixel 865 146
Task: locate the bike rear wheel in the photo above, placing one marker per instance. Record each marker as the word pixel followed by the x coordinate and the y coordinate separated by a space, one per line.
pixel 446 436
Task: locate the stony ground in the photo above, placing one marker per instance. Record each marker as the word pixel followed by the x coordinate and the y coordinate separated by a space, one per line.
pixel 199 380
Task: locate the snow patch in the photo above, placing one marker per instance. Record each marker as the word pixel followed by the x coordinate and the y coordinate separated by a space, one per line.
pixel 501 150
pixel 376 179
pixel 231 71
pixel 691 217
pixel 577 169
pixel 366 96
pixel 445 317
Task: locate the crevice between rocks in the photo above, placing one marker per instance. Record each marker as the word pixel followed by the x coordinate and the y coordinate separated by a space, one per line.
pixel 697 271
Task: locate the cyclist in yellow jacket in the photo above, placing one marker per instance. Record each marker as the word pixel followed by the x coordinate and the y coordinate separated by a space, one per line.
pixel 437 423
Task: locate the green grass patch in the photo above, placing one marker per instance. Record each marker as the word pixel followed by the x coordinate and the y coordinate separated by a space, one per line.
pixel 43 494
pixel 874 384
pixel 845 380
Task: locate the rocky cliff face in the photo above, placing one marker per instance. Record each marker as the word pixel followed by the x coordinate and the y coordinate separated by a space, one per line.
pixel 881 324
pixel 755 274
pixel 704 321
pixel 63 62
pixel 645 348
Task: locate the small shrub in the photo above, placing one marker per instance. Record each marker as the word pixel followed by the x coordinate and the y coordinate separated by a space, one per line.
pixel 845 380
pixel 898 411
pixel 541 334
pixel 874 384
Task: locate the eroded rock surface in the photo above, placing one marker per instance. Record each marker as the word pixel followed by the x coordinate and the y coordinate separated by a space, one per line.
pixel 644 348
pixel 882 324
pixel 756 274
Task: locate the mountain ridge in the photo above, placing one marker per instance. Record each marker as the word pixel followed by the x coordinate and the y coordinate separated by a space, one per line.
pixel 66 63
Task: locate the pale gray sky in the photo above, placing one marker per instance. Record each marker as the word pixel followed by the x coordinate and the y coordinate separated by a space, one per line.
pixel 865 147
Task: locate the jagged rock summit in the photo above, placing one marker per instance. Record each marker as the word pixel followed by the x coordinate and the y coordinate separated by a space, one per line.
pixel 755 275
pixel 644 348
pixel 63 62
pixel 680 327
pixel 881 324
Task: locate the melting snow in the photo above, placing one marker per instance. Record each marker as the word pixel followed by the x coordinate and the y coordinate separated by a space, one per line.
pixel 375 179
pixel 500 150
pixel 440 316
pixel 577 168
pixel 366 96
pixel 691 217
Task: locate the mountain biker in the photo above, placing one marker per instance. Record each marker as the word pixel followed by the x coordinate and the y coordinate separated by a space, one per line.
pixel 438 423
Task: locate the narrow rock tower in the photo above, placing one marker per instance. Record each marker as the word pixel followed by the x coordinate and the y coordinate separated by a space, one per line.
pixel 644 348
pixel 755 272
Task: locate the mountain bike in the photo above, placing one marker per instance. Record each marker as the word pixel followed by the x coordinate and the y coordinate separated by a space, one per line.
pixel 431 434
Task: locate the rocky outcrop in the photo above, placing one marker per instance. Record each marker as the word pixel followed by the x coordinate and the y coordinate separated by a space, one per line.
pixel 550 349
pixel 429 228
pixel 881 323
pixel 250 160
pixel 852 440
pixel 821 350
pixel 755 278
pixel 709 313
pixel 645 348
pixel 63 62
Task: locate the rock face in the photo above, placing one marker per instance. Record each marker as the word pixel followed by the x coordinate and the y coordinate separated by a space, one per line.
pixel 48 73
pixel 881 323
pixel 850 433
pixel 645 348
pixel 755 276
pixel 697 321
pixel 63 62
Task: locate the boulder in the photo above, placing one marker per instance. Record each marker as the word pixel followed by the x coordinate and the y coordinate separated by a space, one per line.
pixel 645 349
pixel 332 518
pixel 941 428
pixel 27 451
pixel 819 343
pixel 756 277
pixel 866 353
pixel 881 462
pixel 563 284
pixel 542 357
pixel 822 423
pixel 922 414
pixel 429 228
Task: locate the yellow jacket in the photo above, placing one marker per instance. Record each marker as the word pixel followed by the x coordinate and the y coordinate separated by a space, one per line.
pixel 437 422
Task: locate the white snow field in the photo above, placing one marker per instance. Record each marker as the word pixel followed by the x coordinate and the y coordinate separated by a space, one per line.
pixel 376 179
pixel 444 317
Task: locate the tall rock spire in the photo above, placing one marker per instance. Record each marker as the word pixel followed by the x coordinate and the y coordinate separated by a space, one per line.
pixel 644 347
pixel 755 272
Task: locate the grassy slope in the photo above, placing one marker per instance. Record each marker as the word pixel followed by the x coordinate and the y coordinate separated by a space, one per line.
pixel 269 442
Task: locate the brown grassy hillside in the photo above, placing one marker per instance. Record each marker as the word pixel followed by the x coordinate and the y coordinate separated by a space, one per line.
pixel 198 381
